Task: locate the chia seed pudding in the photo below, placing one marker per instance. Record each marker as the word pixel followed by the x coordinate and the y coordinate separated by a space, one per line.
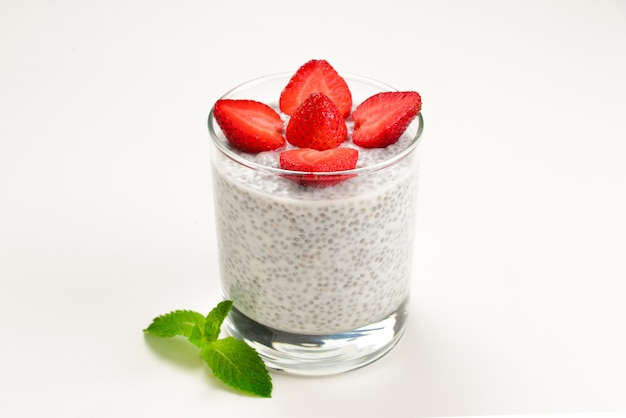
pixel 317 261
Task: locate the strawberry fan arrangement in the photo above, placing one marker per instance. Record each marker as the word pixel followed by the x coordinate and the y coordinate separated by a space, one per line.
pixel 318 101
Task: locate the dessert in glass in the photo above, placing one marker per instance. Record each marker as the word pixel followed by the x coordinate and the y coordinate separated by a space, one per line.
pixel 315 203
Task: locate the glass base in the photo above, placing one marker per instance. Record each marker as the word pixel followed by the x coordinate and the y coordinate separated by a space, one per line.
pixel 318 355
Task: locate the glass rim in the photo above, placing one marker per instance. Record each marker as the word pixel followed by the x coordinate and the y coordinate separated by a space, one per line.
pixel 234 156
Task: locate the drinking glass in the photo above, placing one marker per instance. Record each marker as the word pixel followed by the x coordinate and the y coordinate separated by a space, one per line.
pixel 320 276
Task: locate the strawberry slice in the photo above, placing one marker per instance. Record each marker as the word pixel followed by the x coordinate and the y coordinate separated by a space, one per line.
pixel 313 161
pixel 382 118
pixel 316 124
pixel 249 126
pixel 316 76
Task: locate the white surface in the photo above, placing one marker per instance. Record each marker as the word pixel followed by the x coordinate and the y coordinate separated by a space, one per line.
pixel 106 215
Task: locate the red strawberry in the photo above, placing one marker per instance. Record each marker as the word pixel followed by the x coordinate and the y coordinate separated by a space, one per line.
pixel 249 125
pixel 312 161
pixel 381 119
pixel 316 76
pixel 316 124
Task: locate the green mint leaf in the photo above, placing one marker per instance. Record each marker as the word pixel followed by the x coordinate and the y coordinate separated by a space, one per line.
pixel 214 320
pixel 176 323
pixel 238 365
pixel 231 360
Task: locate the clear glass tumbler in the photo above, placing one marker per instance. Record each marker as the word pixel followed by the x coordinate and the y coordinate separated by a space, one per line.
pixel 319 276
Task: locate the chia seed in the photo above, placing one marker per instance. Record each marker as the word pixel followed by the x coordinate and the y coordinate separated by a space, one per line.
pixel 313 260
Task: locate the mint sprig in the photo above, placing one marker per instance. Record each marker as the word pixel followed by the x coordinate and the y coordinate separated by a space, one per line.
pixel 231 360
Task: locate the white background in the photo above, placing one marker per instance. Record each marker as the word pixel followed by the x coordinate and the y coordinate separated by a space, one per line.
pixel 106 216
